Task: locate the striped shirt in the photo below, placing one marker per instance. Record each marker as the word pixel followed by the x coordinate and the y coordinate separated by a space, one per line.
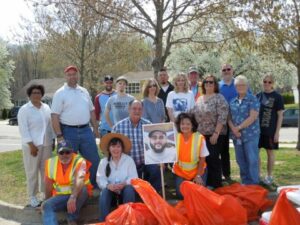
pixel 135 134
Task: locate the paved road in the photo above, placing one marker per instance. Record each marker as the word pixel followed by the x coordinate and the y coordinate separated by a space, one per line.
pixel 10 139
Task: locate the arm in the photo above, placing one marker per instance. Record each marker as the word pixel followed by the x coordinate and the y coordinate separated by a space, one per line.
pixel 48 187
pixel 56 126
pixel 247 122
pixel 94 124
pixel 97 108
pixel 234 129
pixel 170 113
pixel 278 125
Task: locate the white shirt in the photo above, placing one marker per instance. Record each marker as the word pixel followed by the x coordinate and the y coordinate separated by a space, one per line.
pixel 73 105
pixel 123 172
pixel 35 124
pixel 204 151
pixel 167 156
pixel 180 102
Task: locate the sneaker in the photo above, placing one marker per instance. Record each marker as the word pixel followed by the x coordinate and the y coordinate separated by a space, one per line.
pixel 34 202
pixel 268 180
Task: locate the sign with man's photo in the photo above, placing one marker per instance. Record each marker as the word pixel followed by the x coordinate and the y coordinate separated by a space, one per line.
pixel 159 143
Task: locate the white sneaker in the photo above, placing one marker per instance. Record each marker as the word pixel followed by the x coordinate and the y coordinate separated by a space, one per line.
pixel 34 202
pixel 268 180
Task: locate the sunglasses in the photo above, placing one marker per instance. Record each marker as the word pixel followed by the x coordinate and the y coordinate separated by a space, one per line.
pixel 65 153
pixel 152 85
pixel 208 82
pixel 227 69
pixel 267 82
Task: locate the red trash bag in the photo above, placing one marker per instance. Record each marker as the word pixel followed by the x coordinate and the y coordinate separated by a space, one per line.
pixel 252 197
pixel 284 213
pixel 204 207
pixel 163 212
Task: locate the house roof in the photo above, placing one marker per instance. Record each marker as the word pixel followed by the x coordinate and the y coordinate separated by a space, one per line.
pixel 51 85
pixel 138 76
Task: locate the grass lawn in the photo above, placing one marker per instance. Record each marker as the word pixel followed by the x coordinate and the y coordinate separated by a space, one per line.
pixel 13 188
pixel 291 106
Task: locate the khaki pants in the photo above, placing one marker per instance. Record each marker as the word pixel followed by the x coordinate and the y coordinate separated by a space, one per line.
pixel 35 168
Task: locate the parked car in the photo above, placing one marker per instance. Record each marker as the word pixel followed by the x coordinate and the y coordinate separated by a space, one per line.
pixel 13 116
pixel 290 118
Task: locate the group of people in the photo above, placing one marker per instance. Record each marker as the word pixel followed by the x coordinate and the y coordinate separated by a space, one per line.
pixel 206 113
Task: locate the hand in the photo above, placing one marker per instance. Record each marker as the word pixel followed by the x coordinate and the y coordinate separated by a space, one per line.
pixel 235 130
pixel 119 187
pixel 276 138
pixel 198 180
pixel 33 150
pixel 96 133
pixel 237 135
pixel 214 138
pixel 71 205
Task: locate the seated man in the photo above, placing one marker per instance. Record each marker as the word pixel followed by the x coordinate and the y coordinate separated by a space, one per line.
pixel 67 184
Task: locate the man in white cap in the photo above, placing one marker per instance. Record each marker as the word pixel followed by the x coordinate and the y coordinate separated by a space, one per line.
pixel 195 82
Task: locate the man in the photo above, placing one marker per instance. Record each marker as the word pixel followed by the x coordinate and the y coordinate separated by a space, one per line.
pixel 132 128
pixel 165 88
pixel 194 80
pixel 118 104
pixel 72 110
pixel 227 89
pixel 100 102
pixel 160 151
pixel 66 184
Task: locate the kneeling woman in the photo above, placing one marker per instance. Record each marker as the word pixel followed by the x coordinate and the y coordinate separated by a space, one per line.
pixel 115 172
pixel 191 153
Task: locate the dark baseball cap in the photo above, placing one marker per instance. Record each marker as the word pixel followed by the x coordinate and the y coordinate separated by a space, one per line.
pixel 64 145
pixel 108 78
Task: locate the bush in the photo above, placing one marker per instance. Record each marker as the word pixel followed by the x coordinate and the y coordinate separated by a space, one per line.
pixel 4 114
pixel 288 98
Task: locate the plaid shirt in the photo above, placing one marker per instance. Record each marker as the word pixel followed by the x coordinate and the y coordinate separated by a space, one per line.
pixel 135 134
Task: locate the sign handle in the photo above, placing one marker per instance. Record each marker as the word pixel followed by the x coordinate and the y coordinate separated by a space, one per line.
pixel 162 181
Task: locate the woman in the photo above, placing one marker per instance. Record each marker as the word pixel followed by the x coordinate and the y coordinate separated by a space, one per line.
pixel 244 125
pixel 270 116
pixel 35 127
pixel 115 172
pixel 211 111
pixel 153 107
pixel 181 99
pixel 191 152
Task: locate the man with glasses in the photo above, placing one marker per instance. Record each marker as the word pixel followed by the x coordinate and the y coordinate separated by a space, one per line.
pixel 100 102
pixel 67 184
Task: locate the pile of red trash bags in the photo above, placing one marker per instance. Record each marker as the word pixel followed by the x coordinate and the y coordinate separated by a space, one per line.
pixel 232 205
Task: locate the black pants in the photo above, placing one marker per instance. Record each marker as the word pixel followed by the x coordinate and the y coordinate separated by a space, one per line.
pixel 225 157
pixel 214 166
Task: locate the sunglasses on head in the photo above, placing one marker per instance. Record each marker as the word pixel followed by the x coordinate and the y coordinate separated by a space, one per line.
pixel 226 69
pixel 208 82
pixel 108 79
pixel 267 82
pixel 66 152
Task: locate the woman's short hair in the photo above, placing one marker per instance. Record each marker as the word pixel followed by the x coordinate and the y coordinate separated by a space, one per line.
pixel 183 116
pixel 35 86
pixel 186 82
pixel 240 79
pixel 145 89
pixel 216 84
pixel 270 76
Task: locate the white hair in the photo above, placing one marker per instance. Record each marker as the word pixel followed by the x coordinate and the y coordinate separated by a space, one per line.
pixel 240 79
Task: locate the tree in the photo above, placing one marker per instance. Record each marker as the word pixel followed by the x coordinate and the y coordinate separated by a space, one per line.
pixel 6 69
pixel 158 19
pixel 277 24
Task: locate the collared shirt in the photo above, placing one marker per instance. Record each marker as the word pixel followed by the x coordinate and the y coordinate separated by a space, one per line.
pixel 35 124
pixel 100 102
pixel 240 111
pixel 228 91
pixel 135 134
pixel 73 105
pixel 124 171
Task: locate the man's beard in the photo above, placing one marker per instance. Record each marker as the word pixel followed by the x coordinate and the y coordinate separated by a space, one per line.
pixel 108 88
pixel 160 150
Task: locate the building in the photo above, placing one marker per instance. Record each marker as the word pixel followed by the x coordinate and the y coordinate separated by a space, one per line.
pixel 135 81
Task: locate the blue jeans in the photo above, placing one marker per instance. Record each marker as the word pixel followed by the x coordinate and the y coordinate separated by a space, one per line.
pixel 83 141
pixel 247 158
pixel 59 203
pixel 150 173
pixel 179 180
pixel 106 197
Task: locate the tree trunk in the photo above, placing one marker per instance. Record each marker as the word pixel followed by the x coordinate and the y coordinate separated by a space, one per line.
pixel 298 86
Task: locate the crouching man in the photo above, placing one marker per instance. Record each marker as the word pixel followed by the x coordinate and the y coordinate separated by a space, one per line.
pixel 67 184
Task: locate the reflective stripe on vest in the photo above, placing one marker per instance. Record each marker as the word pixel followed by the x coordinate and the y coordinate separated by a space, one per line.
pixel 195 153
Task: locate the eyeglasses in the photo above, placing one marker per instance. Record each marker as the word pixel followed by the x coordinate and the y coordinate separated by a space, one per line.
pixel 152 85
pixel 65 153
pixel 208 82
pixel 267 82
pixel 227 69
pixel 36 93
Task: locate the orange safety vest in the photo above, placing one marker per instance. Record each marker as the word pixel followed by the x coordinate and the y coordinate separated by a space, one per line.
pixel 63 182
pixel 199 91
pixel 188 156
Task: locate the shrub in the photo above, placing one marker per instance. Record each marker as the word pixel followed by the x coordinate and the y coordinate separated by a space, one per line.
pixel 288 98
pixel 4 114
